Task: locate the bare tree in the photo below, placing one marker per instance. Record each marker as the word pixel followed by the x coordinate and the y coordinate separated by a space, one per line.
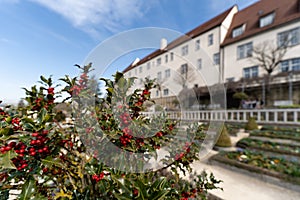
pixel 184 75
pixel 268 56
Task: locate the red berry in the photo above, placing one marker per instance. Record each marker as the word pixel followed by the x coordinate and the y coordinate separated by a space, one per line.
pixel 33 142
pixel 35 134
pixel 7 148
pixel 12 144
pixel 24 165
pixel 40 151
pixel 33 153
pixel 45 170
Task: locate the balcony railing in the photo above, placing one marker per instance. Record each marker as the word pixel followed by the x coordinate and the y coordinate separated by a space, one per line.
pixel 267 116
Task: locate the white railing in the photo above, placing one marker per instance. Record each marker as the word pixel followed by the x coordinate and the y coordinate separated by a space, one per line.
pixel 268 116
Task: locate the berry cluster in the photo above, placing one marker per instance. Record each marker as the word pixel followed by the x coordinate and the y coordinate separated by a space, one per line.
pixel 76 89
pixel 125 119
pixel 189 195
pixel 16 124
pixel 20 149
pixel 186 148
pixel 38 144
pixel 98 177
pixel 126 137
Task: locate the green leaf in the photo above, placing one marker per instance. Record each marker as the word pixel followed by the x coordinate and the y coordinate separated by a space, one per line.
pixel 28 189
pixel 159 195
pixel 5 160
pixel 44 79
pixel 41 116
pixel 49 161
pixel 6 131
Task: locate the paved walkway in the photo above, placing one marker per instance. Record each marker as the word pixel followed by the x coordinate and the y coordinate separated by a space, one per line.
pixel 239 186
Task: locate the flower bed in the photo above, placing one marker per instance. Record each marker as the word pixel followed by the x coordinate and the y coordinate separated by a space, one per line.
pixel 257 162
pixel 276 147
pixel 277 134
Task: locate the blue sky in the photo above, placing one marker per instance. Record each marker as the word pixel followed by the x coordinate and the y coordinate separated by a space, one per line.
pixel 47 37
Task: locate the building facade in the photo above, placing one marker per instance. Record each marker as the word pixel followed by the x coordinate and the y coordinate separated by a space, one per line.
pixel 225 50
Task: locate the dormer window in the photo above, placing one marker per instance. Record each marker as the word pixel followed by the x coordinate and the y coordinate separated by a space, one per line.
pixel 266 20
pixel 238 31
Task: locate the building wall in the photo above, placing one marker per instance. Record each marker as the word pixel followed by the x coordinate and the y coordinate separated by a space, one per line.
pixel 201 76
pixel 233 67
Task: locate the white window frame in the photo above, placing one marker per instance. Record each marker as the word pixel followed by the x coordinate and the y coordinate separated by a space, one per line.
pixel 166 92
pixel 148 65
pixel 166 58
pixel 251 72
pixel 158 61
pixel 267 20
pixel 171 56
pixel 167 73
pixel 159 76
pixel 184 68
pixel 238 31
pixel 185 50
pixel 244 50
pixel 210 39
pixel 197 44
pixel 199 63
pixel 216 58
pixel 290 37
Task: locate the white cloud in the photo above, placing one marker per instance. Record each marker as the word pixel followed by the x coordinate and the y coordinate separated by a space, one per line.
pixel 93 15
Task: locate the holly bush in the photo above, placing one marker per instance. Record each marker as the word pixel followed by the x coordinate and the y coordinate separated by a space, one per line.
pixel 112 151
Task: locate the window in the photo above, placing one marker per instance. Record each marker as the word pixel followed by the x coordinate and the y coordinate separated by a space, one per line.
pixel 290 65
pixel 135 71
pixel 157 93
pixel 129 74
pixel 244 51
pixel 166 58
pixel 185 50
pixel 289 38
pixel 284 65
pixel 199 63
pixel 166 92
pixel 184 69
pixel 251 72
pixel 167 73
pixel 141 69
pixel 266 20
pixel 159 76
pixel 197 45
pixel 141 81
pixel 172 56
pixel 158 61
pixel 238 31
pixel 216 58
pixel 296 64
pixel 210 39
pixel 148 65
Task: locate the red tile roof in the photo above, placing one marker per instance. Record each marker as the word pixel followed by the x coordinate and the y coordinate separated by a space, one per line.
pixel 285 11
pixel 216 21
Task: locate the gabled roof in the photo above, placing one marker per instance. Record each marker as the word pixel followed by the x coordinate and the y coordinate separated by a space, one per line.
pixel 214 22
pixel 285 11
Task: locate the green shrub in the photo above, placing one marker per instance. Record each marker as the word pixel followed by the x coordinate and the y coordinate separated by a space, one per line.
pixel 251 124
pixel 224 138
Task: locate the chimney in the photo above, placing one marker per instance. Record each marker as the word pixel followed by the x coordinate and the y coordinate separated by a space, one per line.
pixel 163 43
pixel 135 62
